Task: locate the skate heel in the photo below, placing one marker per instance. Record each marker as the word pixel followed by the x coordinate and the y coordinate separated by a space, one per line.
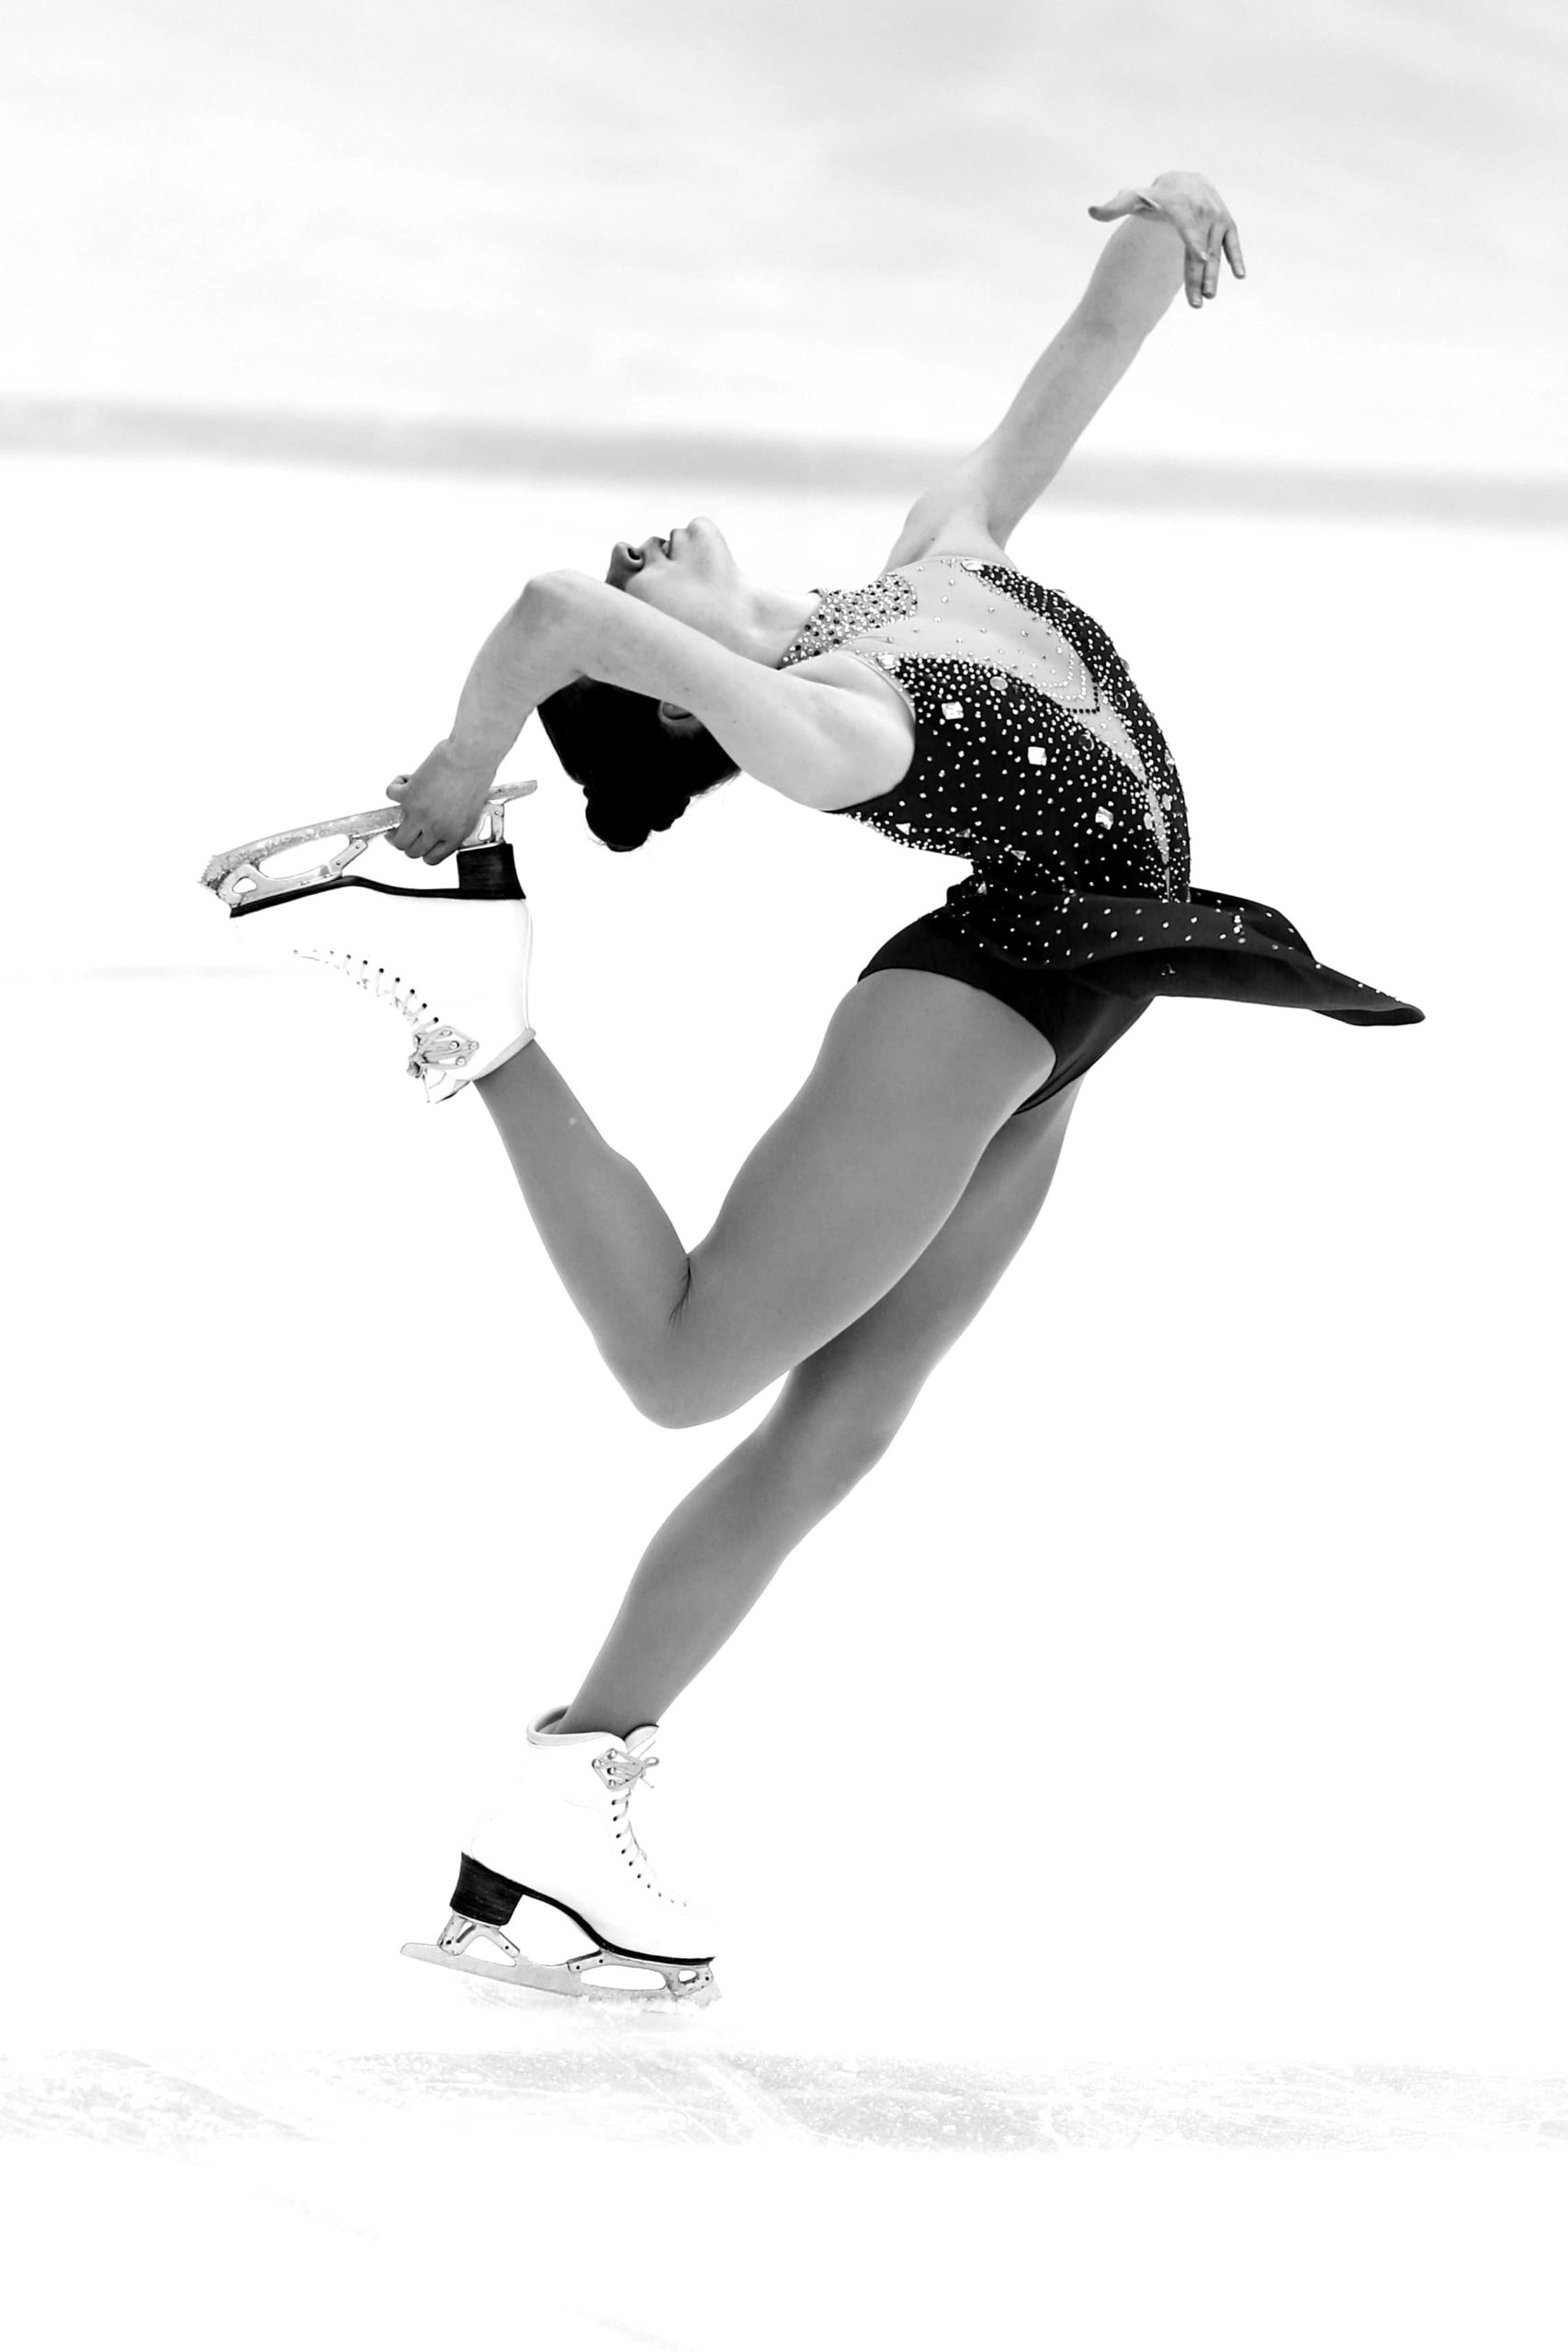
pixel 484 1896
pixel 483 1903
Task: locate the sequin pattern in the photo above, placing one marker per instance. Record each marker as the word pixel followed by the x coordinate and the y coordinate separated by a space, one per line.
pixel 1037 758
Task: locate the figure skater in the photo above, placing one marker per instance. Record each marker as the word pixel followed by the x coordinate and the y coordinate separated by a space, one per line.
pixel 957 705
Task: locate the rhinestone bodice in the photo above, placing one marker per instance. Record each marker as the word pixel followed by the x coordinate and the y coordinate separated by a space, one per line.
pixel 1037 758
pixel 1034 749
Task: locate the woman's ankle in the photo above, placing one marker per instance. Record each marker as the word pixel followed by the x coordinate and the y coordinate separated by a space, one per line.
pixel 586 1720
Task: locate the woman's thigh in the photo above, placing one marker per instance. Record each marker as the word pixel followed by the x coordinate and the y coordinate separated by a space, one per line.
pixel 860 1386
pixel 916 1075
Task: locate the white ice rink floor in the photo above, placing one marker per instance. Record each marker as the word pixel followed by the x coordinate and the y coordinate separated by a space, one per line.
pixel 596 2185
pixel 1140 1805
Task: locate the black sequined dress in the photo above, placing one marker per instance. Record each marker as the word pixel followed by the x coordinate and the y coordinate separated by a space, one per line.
pixel 1037 758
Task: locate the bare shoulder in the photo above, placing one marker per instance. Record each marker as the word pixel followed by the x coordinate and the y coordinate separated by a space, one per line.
pixel 870 720
pixel 872 710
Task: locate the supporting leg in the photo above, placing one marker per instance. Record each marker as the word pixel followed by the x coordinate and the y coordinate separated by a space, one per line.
pixel 835 1418
pixel 714 1555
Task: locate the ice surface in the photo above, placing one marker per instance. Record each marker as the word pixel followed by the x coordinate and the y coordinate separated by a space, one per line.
pixel 359 2201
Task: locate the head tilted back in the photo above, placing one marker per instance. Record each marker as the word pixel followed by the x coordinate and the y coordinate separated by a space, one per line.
pixel 639 777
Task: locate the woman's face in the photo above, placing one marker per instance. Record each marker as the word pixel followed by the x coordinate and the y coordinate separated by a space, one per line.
pixel 690 575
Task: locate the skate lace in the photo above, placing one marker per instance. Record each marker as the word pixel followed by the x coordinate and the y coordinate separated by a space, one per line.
pixel 437 1045
pixel 374 980
pixel 619 1771
pixel 621 1774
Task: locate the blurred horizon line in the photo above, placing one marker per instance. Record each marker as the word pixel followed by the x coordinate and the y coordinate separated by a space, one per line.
pixel 92 427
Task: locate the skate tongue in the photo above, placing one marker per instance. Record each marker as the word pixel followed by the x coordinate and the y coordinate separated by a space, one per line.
pixel 638 1741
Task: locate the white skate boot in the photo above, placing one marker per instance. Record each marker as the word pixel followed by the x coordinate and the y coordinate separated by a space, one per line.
pixel 565 1838
pixel 453 962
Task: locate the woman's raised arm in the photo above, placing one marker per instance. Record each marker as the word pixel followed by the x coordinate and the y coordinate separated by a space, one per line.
pixel 1179 217
pixel 1175 226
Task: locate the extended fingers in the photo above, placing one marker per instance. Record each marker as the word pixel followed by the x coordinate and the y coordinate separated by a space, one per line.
pixel 1207 243
pixel 1208 235
pixel 1208 257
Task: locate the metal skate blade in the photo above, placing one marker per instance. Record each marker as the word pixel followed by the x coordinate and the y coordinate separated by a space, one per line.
pixel 237 875
pixel 540 1975
pixel 571 1977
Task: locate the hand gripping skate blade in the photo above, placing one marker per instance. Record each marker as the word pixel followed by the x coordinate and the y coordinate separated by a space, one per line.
pixel 235 875
pixel 683 1980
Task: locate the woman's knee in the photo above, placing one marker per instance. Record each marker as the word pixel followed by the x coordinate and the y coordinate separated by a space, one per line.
pixel 839 1428
pixel 853 1395
pixel 840 1423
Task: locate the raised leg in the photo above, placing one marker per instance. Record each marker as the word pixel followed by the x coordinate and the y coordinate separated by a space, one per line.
pixel 833 1419
pixel 623 1265
pixel 835 1203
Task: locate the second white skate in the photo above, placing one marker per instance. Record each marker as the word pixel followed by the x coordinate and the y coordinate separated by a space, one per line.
pixel 563 1837
pixel 453 960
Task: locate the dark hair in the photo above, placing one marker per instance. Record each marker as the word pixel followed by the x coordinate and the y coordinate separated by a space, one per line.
pixel 639 777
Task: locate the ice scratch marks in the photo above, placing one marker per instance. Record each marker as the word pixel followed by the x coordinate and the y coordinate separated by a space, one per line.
pixel 631 2087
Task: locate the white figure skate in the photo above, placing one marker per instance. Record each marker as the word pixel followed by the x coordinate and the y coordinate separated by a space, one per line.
pixel 452 962
pixel 565 1838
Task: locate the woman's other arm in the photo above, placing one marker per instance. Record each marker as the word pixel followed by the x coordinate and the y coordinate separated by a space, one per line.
pixel 522 660
pixel 813 741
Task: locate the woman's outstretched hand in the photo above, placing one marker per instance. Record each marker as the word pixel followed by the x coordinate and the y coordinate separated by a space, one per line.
pixel 1195 208
pixel 442 802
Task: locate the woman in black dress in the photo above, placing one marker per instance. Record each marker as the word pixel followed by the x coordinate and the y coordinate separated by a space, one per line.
pixel 953 703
